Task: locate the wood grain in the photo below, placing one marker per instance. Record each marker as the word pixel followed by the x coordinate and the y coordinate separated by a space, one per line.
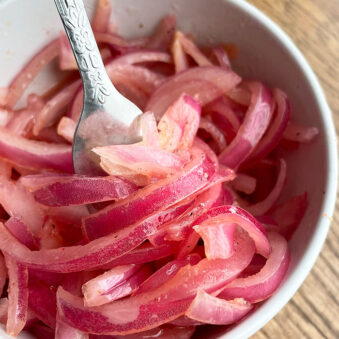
pixel 314 310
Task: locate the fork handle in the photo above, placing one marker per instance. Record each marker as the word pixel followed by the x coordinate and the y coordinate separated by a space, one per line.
pixel 97 85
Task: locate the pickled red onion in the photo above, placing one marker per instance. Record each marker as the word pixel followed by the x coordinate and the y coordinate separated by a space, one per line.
pixel 144 221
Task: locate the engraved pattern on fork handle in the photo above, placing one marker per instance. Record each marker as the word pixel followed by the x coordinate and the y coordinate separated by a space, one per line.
pixel 85 49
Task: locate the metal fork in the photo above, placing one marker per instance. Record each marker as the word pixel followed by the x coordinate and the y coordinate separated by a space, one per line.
pixel 107 117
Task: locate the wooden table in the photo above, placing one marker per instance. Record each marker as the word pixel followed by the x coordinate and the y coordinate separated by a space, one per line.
pixel 314 310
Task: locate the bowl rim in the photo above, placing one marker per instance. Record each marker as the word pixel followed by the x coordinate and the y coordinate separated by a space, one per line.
pixel 290 286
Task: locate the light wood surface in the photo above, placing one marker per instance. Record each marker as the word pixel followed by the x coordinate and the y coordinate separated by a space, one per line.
pixel 314 310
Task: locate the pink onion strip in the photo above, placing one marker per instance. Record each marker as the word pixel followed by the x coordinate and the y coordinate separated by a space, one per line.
pixel 92 255
pixel 166 272
pixel 53 109
pixel 149 128
pixel 166 302
pixel 30 71
pixel 80 190
pixel 214 131
pixel 289 214
pixel 237 215
pixel 142 57
pixel 42 301
pixel 300 133
pixel 161 195
pixel 218 238
pixel 100 291
pixel 204 84
pixel 244 183
pixel 252 129
pixel 190 48
pixel 222 57
pixel 17 296
pixel 35 154
pixel 276 129
pixel 21 231
pixel 212 310
pixel 143 254
pixel 19 203
pixel 101 20
pixel 265 205
pixel 179 125
pixel 66 128
pixel 262 285
pixel 64 331
pixel 163 34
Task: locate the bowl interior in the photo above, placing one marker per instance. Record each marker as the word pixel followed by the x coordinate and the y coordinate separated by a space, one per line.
pixel 264 53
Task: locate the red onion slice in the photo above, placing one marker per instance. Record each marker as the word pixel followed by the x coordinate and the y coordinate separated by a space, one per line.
pixel 100 290
pixel 64 331
pixel 163 34
pixel 21 231
pixel 19 203
pixel 144 160
pixel 52 111
pixel 143 254
pixel 77 258
pixel 300 133
pixel 30 71
pixel 252 129
pixel 149 128
pixel 17 296
pixel 237 215
pixel 222 57
pixel 289 214
pixel 262 285
pixel 179 124
pixel 179 56
pixel 212 310
pixel 276 129
pixel 190 48
pixel 165 303
pixel 166 272
pixel 66 128
pixel 218 237
pixel 35 154
pixel 109 279
pixel 265 205
pixel 23 121
pixel 142 57
pixel 211 128
pixel 204 84
pixel 101 20
pixel 158 196
pixel 244 183
pixel 42 301
pixel 80 190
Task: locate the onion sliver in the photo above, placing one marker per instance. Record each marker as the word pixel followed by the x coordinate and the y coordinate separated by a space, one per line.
pixel 204 84
pixel 17 296
pixel 237 215
pixel 35 154
pixel 252 129
pixel 165 303
pixel 158 196
pixel 262 285
pixel 212 310
pixel 81 190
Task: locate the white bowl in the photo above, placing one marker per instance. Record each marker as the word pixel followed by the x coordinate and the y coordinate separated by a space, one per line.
pixel 265 53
